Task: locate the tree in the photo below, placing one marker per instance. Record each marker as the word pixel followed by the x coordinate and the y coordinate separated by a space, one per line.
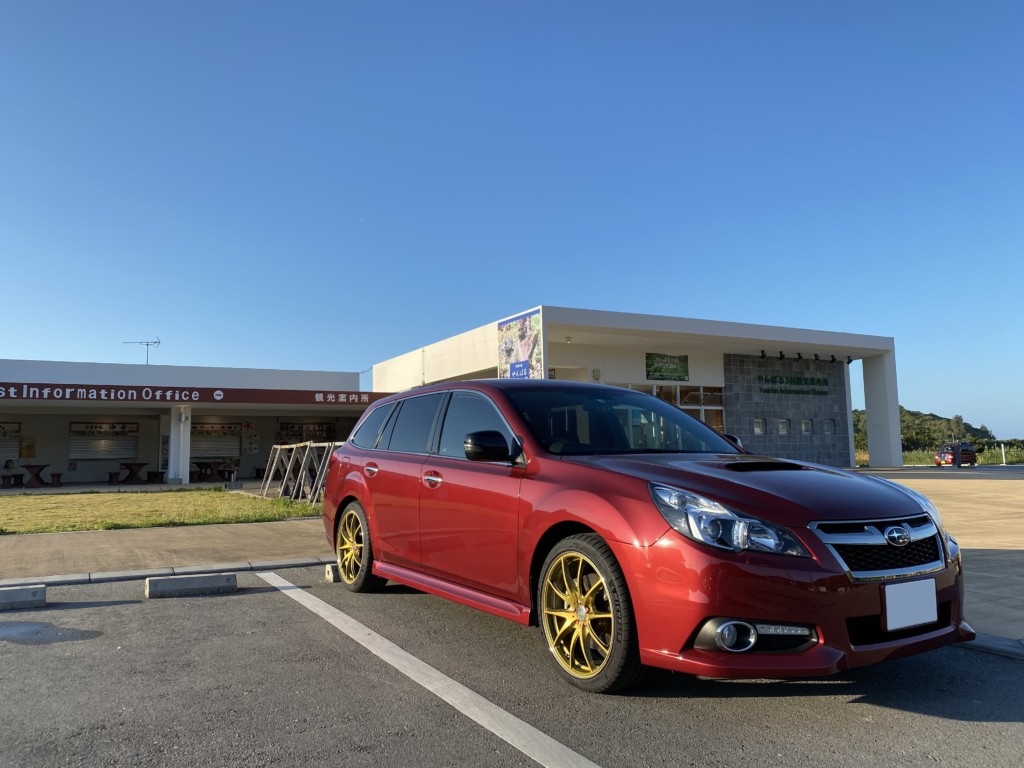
pixel 956 425
pixel 927 431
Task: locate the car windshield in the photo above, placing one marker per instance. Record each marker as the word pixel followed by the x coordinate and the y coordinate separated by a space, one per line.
pixel 577 421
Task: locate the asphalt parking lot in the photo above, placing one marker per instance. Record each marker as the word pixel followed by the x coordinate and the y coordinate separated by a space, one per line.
pixel 102 676
pixel 292 670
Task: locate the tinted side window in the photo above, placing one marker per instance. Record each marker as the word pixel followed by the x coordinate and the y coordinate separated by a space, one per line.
pixel 468 412
pixel 368 432
pixel 414 424
pixel 566 420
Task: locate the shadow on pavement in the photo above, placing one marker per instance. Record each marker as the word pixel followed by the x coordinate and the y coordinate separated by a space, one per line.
pixel 951 683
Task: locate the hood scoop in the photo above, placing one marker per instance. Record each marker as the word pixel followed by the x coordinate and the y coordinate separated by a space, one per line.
pixel 762 466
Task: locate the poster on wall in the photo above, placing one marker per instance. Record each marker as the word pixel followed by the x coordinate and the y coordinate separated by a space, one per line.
pixel 215 430
pixel 103 429
pixel 10 439
pixel 250 439
pixel 292 434
pixel 520 352
pixel 667 367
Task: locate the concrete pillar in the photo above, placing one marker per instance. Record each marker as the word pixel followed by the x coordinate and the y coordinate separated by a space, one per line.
pixel 881 401
pixel 180 445
pixel 851 447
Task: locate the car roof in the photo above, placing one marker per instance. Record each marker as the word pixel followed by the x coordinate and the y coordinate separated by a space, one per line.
pixel 511 384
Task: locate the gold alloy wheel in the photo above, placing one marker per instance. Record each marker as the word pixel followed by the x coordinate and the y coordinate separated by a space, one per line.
pixel 350 546
pixel 576 614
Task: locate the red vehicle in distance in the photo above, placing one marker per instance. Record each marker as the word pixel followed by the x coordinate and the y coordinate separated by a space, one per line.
pixel 946 455
pixel 636 536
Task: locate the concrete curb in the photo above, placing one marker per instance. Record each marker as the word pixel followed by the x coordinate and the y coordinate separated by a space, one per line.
pixel 1001 646
pixel 106 577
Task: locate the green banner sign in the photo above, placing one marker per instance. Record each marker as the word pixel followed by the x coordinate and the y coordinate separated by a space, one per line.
pixel 667 367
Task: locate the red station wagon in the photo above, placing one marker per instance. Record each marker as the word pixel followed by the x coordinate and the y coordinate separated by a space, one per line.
pixel 634 535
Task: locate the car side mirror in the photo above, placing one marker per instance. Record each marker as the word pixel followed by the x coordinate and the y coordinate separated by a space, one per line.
pixel 734 438
pixel 489 445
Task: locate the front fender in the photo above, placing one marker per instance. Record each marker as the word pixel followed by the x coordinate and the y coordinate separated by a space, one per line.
pixel 624 516
pixel 617 507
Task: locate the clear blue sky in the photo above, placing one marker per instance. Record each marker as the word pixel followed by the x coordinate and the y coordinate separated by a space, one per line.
pixel 324 185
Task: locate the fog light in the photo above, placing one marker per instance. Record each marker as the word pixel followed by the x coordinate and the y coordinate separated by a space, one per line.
pixel 782 629
pixel 735 636
pixel 727 635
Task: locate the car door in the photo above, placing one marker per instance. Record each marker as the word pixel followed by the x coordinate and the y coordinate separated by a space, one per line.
pixel 469 510
pixel 393 477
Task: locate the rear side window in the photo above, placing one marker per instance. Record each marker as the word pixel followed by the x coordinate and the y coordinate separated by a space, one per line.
pixel 468 412
pixel 415 423
pixel 368 432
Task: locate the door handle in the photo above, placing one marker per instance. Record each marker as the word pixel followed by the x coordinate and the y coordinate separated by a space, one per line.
pixel 433 479
pixel 370 470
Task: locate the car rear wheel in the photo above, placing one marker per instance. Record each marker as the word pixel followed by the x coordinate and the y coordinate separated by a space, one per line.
pixel 355 553
pixel 586 614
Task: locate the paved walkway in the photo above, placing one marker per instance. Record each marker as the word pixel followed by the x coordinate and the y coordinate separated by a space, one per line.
pixel 983 508
pixel 88 552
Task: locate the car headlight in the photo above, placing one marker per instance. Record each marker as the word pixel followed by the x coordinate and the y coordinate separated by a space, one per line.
pixel 708 522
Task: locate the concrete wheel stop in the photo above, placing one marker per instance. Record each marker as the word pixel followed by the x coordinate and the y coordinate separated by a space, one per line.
pixel 188 586
pixel 15 598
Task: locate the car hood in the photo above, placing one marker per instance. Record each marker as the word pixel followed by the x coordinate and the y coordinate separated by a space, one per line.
pixel 778 490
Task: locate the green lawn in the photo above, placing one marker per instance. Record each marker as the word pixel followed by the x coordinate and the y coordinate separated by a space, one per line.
pixel 31 513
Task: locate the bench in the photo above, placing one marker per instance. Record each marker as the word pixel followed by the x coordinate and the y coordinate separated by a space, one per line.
pixel 155 476
pixel 13 481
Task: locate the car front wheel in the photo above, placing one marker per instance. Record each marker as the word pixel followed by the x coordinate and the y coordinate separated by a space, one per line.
pixel 586 614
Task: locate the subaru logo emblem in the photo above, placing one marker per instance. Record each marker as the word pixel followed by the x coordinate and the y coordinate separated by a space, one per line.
pixel 897 536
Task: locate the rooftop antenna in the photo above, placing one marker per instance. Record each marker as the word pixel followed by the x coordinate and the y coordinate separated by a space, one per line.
pixel 147 345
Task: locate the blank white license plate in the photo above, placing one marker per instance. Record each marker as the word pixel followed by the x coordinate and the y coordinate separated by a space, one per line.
pixel 910 604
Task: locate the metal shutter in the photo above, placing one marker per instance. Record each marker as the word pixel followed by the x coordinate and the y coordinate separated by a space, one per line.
pixel 103 447
pixel 220 447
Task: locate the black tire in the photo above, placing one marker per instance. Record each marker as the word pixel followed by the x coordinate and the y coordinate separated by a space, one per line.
pixel 585 613
pixel 355 552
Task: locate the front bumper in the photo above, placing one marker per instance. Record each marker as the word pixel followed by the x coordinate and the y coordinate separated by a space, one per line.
pixel 678 587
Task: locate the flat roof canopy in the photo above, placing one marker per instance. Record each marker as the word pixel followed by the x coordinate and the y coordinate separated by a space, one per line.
pixel 585 326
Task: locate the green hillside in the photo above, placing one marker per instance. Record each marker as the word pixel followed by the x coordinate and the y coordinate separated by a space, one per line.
pixel 926 431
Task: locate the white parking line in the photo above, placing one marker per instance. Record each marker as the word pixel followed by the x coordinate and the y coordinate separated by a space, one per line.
pixel 524 737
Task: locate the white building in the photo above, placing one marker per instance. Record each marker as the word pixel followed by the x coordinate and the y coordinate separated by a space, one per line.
pixel 782 391
pixel 94 422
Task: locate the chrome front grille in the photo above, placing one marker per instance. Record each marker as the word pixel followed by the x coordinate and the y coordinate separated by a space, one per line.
pixel 864 552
